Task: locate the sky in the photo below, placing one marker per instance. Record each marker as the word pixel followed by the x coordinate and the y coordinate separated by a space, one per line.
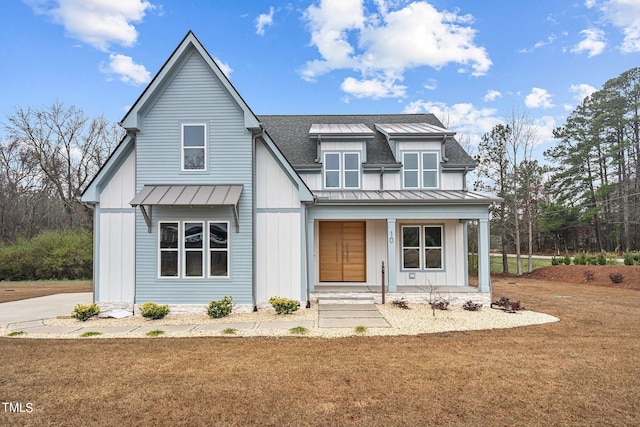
pixel 472 63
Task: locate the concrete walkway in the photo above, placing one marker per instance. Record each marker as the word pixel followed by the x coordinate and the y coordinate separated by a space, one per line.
pixel 28 315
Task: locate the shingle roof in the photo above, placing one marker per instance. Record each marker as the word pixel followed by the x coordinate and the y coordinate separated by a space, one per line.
pixel 291 134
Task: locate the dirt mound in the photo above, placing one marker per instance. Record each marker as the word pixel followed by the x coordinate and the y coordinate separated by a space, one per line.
pixel 598 275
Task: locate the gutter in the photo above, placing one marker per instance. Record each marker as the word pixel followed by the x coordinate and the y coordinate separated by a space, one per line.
pixel 443 149
pixel 306 241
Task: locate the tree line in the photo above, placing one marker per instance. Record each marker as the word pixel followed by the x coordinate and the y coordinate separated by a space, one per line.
pixel 586 195
pixel 48 157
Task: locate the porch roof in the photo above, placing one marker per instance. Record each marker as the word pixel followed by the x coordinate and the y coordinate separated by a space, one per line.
pixel 404 197
pixel 187 195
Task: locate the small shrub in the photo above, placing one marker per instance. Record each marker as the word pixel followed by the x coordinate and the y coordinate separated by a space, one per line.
pixel 507 305
pixel 218 309
pixel 298 330
pixel 602 258
pixel 567 260
pixel 616 277
pixel 592 260
pixel 152 310
pixel 16 333
pixel 155 333
pixel 440 304
pixel 555 261
pixel 588 276
pixel 628 259
pixel 90 334
pixel 580 259
pixel 284 305
pixel 471 306
pixel 229 331
pixel 360 329
pixel 83 312
pixel 401 303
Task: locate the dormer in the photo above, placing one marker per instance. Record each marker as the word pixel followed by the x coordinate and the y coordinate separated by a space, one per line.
pixel 420 147
pixel 341 149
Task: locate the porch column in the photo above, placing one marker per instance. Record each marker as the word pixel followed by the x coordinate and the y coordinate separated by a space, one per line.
pixel 391 268
pixel 311 262
pixel 484 275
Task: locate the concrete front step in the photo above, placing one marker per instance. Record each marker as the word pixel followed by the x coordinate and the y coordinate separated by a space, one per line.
pixel 351 299
pixel 346 307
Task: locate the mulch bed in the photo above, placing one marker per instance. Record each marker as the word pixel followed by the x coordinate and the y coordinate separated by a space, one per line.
pixel 597 275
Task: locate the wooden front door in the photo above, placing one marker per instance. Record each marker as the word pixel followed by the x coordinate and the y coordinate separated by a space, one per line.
pixel 343 251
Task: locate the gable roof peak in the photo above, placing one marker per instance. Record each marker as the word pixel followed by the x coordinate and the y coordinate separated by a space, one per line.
pixel 132 118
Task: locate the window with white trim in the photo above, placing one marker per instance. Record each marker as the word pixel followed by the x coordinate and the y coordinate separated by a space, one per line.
pixel 194 147
pixel 193 249
pixel 422 247
pixel 420 170
pixel 218 249
pixel 342 170
pixel 183 250
pixel 169 242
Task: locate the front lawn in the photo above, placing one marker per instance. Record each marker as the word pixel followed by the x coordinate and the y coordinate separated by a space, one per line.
pixel 583 370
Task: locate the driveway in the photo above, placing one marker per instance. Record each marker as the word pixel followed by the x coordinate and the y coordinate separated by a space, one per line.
pixel 42 307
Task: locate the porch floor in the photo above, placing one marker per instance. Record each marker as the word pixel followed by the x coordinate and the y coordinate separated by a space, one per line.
pixel 333 288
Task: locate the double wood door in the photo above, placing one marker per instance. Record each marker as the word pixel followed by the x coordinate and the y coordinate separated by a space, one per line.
pixel 343 251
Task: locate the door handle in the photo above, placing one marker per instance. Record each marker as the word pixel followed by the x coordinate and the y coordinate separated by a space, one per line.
pixel 337 260
pixel 347 251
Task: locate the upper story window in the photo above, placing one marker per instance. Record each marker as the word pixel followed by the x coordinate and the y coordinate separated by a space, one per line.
pixel 194 147
pixel 420 170
pixel 342 170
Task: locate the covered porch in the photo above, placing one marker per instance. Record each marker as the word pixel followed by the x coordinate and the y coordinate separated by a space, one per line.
pixel 439 266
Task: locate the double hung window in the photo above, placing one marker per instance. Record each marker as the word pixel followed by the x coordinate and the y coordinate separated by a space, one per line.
pixel 183 246
pixel 420 170
pixel 194 147
pixel 342 170
pixel 422 247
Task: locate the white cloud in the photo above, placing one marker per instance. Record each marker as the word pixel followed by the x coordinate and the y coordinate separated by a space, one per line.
pixel 432 84
pixel 625 14
pixel 581 91
pixel 594 42
pixel 463 118
pixel 226 69
pixel 98 23
pixel 375 88
pixel 538 98
pixel 264 20
pixel 492 95
pixel 126 70
pixel 390 40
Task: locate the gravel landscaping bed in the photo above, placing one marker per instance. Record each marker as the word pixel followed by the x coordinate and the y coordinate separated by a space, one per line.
pixel 419 319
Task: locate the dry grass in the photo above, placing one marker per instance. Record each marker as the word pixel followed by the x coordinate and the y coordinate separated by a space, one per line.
pixel 14 291
pixel 584 369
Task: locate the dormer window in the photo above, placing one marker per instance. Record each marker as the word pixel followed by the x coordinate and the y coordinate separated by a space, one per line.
pixel 420 170
pixel 194 147
pixel 341 170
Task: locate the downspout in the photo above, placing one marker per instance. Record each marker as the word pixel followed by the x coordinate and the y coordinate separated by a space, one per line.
pixel 96 260
pixel 381 178
pixel 444 150
pixel 253 218
pixel 306 241
pixel 464 178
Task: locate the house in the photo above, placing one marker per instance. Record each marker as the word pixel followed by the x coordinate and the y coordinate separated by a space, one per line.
pixel 292 205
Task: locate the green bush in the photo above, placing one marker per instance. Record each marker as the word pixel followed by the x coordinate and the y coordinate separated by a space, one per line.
pixel 84 312
pixel 57 255
pixel 555 261
pixel 153 310
pixel 567 260
pixel 629 259
pixel 580 259
pixel 284 305
pixel 602 258
pixel 222 308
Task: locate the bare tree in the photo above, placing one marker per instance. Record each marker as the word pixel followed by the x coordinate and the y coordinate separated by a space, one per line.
pixel 67 148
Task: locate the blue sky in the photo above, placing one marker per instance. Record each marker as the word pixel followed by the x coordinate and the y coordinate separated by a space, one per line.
pixel 470 62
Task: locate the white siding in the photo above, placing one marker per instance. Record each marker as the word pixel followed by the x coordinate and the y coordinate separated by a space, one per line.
pixel 278 263
pixel 451 181
pixel 341 146
pixel 122 186
pixel 116 268
pixel 313 180
pixel 418 146
pixel 376 250
pixel 274 188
